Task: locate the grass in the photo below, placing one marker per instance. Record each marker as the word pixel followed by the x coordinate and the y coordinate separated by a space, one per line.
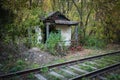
pixel 94 65
pixel 101 64
pixel 44 69
pixel 113 77
pixel 31 76
pixel 86 68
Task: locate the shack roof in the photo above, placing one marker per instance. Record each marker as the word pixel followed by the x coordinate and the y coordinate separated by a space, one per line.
pixel 55 15
pixel 64 22
pixel 58 18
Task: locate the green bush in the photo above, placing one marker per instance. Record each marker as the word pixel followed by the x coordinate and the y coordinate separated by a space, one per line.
pixel 52 41
pixel 95 42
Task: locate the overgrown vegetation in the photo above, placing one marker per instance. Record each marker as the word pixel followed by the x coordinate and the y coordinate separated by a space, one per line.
pixel 94 20
pixel 113 77
pixel 99 25
pixel 13 67
pixel 52 42
pixel 83 68
pixel 96 43
pixel 44 69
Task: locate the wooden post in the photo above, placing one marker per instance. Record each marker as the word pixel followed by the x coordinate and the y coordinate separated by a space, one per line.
pixel 76 34
pixel 47 30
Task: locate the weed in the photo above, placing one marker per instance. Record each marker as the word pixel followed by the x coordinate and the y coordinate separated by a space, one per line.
pixel 19 65
pixel 114 77
pixel 87 68
pixel 41 46
pixel 44 69
pixel 30 76
pixel 35 65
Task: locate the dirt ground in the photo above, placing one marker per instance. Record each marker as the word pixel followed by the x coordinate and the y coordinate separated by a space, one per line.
pixel 91 52
pixel 37 58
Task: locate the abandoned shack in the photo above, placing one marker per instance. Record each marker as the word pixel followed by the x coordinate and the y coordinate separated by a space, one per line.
pixel 58 21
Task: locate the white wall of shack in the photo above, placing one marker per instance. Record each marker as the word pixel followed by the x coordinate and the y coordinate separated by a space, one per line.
pixel 65 33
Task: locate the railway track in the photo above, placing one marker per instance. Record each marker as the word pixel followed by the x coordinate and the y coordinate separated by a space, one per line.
pixel 91 68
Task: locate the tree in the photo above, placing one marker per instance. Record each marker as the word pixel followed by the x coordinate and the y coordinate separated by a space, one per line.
pixel 84 9
pixel 20 15
pixel 107 13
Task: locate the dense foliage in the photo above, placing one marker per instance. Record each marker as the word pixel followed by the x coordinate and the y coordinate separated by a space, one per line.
pixel 98 18
pixel 99 24
pixel 52 42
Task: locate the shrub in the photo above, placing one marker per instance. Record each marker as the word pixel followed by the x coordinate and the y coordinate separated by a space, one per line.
pixel 52 41
pixel 95 42
pixel 41 46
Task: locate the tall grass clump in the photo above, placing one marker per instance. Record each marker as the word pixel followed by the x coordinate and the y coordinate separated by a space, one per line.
pixel 52 42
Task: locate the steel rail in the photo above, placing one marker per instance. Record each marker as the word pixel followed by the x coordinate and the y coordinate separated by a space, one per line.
pixel 96 72
pixel 54 65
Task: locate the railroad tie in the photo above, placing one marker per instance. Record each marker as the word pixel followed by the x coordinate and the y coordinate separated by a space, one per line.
pixel 69 72
pixel 84 71
pixel 40 77
pixel 93 62
pixel 75 68
pixel 56 74
pixel 101 77
pixel 89 66
pixel 70 67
